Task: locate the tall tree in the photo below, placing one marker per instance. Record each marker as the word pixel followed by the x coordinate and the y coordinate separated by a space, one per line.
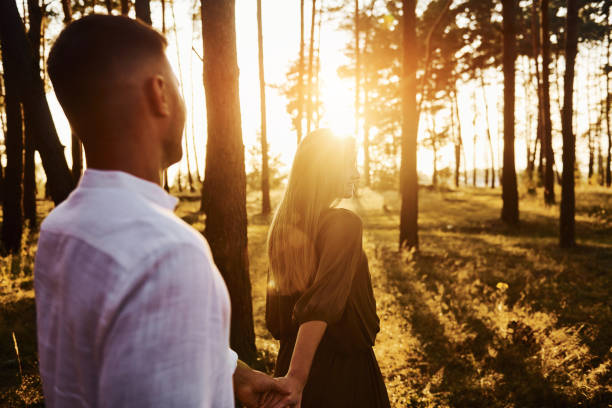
pixel 26 77
pixel 224 189
pixel 12 204
pixel 510 211
pixel 567 222
pixel 300 85
pixel 409 187
pixel 608 176
pixel 357 66
pixel 489 138
pixel 265 172
pixel 549 180
pixel 29 177
pixel 143 10
pixel 536 49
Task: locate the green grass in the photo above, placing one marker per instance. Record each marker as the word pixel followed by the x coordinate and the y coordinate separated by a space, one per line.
pixel 484 315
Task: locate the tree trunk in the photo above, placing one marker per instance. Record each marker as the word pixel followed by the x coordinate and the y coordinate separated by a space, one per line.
pixel 224 189
pixel 26 76
pixel 600 165
pixel 125 7
pixel 318 67
pixel 265 172
pixel 357 67
pixel 109 6
pixel 12 207
pixel 474 140
pixel 408 171
pixel 455 138
pixel 549 181
pixel 535 37
pixel 489 138
pixel 143 11
pixel 589 108
pixel 608 171
pixel 300 110
pixel 29 176
pixel 67 9
pixel 455 107
pixel 366 116
pixel 510 210
pixel 309 110
pixel 567 222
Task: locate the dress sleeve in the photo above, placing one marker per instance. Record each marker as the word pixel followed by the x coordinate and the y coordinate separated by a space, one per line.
pixel 339 247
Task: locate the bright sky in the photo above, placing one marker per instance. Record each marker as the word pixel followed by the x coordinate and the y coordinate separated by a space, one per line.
pixel 281 22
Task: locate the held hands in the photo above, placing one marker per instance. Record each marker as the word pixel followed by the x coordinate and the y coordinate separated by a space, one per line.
pixel 257 390
pixel 252 386
pixel 293 388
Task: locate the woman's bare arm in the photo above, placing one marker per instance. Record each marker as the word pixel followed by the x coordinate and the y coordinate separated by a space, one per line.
pixel 308 338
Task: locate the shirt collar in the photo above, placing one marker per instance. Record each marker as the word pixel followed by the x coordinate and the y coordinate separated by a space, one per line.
pixel 93 178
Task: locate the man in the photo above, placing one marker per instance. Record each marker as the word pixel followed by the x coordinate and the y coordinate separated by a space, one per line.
pixel 131 310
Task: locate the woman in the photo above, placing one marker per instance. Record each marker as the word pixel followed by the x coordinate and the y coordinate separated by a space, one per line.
pixel 320 303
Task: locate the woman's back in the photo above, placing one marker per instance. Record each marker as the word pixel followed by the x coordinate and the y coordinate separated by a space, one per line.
pixel 344 370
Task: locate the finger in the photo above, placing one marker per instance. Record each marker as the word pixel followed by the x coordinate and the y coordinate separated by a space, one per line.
pixel 269 396
pixel 286 401
pixel 273 400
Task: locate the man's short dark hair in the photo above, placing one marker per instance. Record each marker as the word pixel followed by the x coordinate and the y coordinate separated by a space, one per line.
pixel 92 52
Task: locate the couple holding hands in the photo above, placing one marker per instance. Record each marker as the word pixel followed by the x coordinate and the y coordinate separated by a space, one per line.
pixel 131 309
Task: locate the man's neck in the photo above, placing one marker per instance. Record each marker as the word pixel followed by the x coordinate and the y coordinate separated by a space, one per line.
pixel 143 164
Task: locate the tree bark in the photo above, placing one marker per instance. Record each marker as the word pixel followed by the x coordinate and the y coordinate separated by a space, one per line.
pixel 143 11
pixel 29 176
pixel 224 189
pixel 489 138
pixel 109 6
pixel 408 237
pixel 549 181
pixel 265 172
pixel 567 216
pixel 455 107
pixel 510 210
pixel 300 109
pixel 67 9
pixel 455 138
pixel 125 7
pixel 474 139
pixel 608 171
pixel 26 76
pixel 12 204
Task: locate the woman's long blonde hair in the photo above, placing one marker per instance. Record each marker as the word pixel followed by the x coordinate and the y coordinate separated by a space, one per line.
pixel 316 183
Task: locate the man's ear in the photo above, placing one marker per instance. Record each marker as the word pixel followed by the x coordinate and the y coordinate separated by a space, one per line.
pixel 157 95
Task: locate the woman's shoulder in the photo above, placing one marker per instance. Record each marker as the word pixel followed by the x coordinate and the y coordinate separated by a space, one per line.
pixel 340 219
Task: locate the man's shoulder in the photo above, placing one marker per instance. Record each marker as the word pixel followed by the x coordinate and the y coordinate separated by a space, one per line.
pixel 128 230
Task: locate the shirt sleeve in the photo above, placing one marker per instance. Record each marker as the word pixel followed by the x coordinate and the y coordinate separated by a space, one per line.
pixel 168 344
pixel 340 250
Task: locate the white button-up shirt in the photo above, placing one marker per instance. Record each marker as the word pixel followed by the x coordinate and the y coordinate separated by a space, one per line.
pixel 131 310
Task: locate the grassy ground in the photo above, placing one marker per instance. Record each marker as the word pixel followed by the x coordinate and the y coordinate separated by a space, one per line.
pixel 482 316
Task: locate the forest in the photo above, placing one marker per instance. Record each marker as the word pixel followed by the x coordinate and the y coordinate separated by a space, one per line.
pixel 484 134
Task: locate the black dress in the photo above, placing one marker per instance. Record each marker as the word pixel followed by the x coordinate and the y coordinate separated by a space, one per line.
pixel 344 370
